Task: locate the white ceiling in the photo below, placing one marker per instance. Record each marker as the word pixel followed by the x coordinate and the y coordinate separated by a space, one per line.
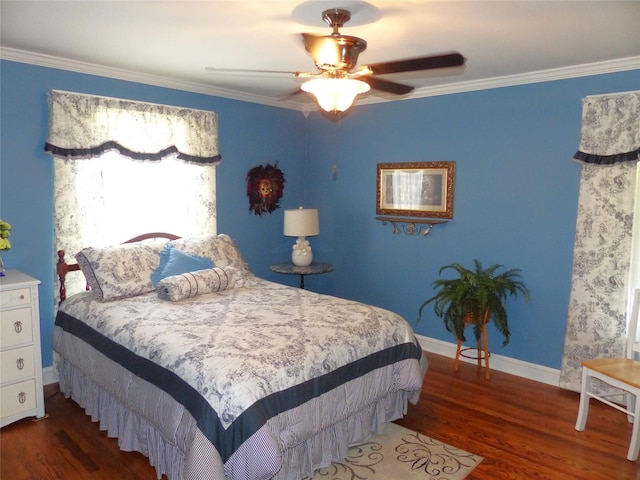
pixel 171 42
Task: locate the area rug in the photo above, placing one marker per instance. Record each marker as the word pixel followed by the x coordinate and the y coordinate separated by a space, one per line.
pixel 401 454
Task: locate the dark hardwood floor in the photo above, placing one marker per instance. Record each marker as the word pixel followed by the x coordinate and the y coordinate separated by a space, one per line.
pixel 523 429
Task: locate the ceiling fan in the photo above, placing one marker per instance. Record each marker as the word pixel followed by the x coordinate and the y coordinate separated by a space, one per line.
pixel 338 81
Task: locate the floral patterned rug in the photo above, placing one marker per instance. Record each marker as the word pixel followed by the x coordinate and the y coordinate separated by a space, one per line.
pixel 401 454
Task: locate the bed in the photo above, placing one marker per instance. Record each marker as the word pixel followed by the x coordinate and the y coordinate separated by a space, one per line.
pixel 215 373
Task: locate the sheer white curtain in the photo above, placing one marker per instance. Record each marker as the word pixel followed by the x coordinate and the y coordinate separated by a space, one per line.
pixel 597 316
pixel 123 168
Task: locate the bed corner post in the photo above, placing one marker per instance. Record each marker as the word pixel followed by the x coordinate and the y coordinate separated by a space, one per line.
pixel 62 269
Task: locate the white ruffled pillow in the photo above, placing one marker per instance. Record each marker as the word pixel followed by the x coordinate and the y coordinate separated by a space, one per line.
pixel 200 282
pixel 121 271
pixel 219 248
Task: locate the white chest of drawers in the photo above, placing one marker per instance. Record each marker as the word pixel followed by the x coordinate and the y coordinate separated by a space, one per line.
pixel 21 389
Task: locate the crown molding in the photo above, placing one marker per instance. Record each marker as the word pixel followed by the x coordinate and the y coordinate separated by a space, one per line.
pixel 50 61
pixel 564 73
pixel 60 63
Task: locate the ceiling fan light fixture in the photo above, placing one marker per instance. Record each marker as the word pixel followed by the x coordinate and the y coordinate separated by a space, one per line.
pixel 335 95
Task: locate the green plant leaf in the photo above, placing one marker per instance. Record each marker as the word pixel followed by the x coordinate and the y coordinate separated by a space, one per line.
pixel 476 291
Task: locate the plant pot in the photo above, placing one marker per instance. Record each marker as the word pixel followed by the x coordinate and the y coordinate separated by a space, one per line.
pixel 470 317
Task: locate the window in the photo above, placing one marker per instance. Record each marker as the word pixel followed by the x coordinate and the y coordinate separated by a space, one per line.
pixel 106 201
pixel 112 198
pixel 123 168
pixel 634 268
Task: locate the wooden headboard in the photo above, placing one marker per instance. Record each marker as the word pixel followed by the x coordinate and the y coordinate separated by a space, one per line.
pixel 63 267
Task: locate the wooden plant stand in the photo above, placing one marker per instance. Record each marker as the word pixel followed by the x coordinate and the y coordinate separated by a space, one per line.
pixel 482 350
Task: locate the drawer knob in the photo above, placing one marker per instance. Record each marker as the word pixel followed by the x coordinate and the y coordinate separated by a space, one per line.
pixel 17 326
pixel 22 397
pixel 21 297
pixel 20 363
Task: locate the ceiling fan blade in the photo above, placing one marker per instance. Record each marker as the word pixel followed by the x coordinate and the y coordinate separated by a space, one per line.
pixel 387 86
pixel 248 70
pixel 422 63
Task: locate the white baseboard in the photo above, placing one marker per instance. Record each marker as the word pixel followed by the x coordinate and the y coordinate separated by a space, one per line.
pixel 532 371
pixel 499 363
pixel 49 375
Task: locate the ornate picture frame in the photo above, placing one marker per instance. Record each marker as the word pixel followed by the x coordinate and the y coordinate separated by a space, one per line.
pixel 418 189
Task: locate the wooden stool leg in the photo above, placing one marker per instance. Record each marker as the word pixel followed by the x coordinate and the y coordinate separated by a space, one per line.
pixel 456 363
pixel 634 446
pixel 583 409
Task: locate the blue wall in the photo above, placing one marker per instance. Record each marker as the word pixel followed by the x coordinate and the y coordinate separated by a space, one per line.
pixel 516 191
pixel 515 196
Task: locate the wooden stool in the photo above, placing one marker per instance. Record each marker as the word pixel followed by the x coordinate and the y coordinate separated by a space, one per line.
pixel 482 351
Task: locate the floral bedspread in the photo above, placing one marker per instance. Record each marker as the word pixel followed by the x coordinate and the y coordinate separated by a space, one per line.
pixel 247 353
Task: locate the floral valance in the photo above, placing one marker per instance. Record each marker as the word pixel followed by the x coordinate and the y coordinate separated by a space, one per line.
pixel 610 129
pixel 85 126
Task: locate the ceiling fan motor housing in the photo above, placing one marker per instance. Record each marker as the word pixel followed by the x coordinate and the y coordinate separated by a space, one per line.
pixel 335 52
pixel 343 54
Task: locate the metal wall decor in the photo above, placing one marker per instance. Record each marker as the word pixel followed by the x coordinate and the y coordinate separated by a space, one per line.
pixel 411 226
pixel 265 185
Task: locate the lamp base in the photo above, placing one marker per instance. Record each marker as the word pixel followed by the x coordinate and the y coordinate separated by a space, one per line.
pixel 302 255
pixel 302 260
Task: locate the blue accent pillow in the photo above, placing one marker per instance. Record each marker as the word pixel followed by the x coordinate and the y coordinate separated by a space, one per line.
pixel 175 262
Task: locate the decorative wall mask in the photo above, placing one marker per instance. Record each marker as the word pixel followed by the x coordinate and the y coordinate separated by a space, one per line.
pixel 265 185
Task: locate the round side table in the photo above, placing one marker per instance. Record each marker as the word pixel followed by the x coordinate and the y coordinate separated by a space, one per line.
pixel 288 268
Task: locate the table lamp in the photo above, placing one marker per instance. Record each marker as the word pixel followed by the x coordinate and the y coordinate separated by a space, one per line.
pixel 301 223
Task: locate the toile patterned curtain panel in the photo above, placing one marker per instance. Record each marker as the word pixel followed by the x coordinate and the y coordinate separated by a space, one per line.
pixel 122 168
pixel 597 315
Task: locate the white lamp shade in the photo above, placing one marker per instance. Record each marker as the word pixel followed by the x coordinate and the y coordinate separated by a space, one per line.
pixel 335 94
pixel 301 222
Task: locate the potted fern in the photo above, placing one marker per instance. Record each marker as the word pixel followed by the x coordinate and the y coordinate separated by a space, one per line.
pixel 475 297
